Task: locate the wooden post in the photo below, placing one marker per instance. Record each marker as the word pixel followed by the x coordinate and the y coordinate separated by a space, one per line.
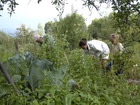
pixel 16 46
pixel 7 77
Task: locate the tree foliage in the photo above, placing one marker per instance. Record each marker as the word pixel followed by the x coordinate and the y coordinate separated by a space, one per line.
pixel 40 29
pixel 73 27
pixel 102 28
pixel 127 16
pixel 5 39
pixel 50 27
pixel 11 5
pixel 25 33
pixel 120 6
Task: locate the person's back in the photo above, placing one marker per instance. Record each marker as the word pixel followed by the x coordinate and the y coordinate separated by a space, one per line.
pixel 96 48
pixel 118 48
pixel 99 45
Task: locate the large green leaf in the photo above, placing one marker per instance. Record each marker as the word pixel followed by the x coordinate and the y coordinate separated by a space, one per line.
pixel 36 75
pixel 33 70
pixel 17 65
pixel 56 75
pixel 16 78
pixel 29 57
pixel 45 64
pixel 4 88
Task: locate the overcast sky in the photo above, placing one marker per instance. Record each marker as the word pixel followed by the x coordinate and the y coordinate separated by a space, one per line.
pixel 31 14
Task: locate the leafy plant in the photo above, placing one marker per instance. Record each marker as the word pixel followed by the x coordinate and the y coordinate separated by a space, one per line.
pixel 26 67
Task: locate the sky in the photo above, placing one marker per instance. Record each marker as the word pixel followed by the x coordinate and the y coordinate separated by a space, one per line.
pixel 30 13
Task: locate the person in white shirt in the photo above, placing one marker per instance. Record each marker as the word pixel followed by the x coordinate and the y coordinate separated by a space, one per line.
pixel 117 48
pixel 96 48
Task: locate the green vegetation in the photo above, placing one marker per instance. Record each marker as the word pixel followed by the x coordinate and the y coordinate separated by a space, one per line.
pixel 102 28
pixel 73 27
pixel 58 74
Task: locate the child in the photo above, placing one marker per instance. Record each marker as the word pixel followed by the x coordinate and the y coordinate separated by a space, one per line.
pixel 96 48
pixel 117 48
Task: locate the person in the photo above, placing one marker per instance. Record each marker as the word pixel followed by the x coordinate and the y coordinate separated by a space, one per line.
pixel 96 48
pixel 39 39
pixel 44 39
pixel 117 49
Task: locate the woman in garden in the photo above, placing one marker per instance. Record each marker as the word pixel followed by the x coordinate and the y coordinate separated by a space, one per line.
pixel 117 49
pixel 96 48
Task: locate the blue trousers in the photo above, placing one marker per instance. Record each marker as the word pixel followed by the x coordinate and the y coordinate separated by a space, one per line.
pixel 108 67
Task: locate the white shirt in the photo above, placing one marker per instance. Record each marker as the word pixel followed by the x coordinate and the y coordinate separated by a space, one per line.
pixel 36 37
pixel 97 48
pixel 117 48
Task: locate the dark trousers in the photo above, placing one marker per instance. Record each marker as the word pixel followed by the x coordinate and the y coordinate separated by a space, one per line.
pixel 108 67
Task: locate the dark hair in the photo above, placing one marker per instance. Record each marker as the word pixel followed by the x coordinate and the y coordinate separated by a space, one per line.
pixel 84 39
pixel 83 42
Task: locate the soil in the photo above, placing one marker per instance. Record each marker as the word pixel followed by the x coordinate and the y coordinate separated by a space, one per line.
pixel 132 81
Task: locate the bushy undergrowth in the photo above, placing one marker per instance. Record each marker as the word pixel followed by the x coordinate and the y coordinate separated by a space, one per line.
pixel 83 83
pixel 54 75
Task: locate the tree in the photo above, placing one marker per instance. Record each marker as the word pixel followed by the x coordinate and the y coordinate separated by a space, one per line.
pixel 130 31
pixel 102 28
pixel 25 40
pixel 25 34
pixel 123 9
pixel 73 27
pixel 124 6
pixel 40 29
pixel 50 27
pixel 6 42
pixel 11 5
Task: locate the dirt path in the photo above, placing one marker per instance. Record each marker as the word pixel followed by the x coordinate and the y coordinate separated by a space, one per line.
pixel 132 81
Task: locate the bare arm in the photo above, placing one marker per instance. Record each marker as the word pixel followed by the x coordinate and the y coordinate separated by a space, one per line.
pixel 103 62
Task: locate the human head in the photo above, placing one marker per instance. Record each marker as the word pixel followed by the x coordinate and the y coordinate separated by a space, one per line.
pixel 83 44
pixel 114 39
pixel 38 38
